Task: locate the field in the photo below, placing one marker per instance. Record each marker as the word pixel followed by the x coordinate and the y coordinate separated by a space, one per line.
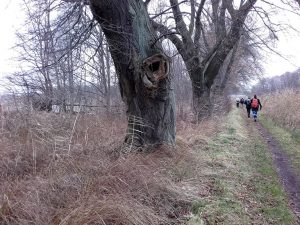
pixel 67 169
pixel 283 108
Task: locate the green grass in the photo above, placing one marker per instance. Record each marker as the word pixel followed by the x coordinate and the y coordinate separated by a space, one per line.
pixel 288 140
pixel 268 190
pixel 296 135
pixel 244 187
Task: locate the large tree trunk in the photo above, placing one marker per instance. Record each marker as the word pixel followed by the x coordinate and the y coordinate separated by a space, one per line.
pixel 142 71
pixel 202 106
pixel 218 95
pixel 208 71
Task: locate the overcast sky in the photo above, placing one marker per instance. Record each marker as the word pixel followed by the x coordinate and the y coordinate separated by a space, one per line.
pixel 288 44
pixel 11 18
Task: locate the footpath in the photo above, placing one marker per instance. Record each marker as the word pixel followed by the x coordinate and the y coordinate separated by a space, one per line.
pixel 288 175
pixel 285 151
pixel 251 180
pixel 279 148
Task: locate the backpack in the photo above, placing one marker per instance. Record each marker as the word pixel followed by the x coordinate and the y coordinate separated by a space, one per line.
pixel 254 103
pixel 248 102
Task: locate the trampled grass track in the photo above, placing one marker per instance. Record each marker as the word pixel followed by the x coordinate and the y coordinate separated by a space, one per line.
pixel 245 188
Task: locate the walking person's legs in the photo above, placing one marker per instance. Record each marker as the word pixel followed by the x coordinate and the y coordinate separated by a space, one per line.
pixel 248 112
pixel 254 112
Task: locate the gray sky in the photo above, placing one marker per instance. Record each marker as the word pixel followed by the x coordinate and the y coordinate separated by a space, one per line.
pixel 11 18
pixel 288 44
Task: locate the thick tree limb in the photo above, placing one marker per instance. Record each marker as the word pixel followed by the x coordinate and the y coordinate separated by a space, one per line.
pixel 180 24
pixel 147 2
pixel 214 61
pixel 166 10
pixel 86 2
pixel 247 6
pixel 221 21
pixel 228 4
pixel 192 22
pixel 198 24
pixel 169 34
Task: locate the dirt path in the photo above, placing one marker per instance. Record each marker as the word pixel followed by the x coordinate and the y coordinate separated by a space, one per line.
pixel 288 176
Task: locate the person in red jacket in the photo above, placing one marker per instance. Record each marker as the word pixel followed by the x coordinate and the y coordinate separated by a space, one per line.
pixel 255 106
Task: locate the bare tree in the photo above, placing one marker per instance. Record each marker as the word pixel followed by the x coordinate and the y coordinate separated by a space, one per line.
pixel 53 55
pixel 288 80
pixel 101 67
pixel 35 47
pixel 204 58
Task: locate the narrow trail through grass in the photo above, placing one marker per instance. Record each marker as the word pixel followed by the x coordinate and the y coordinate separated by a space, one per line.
pixel 289 141
pixel 245 188
pixel 286 153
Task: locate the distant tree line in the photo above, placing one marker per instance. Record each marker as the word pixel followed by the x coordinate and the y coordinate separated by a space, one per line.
pixel 288 80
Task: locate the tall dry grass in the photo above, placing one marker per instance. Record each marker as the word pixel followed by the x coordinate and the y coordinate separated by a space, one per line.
pixel 61 169
pixel 283 108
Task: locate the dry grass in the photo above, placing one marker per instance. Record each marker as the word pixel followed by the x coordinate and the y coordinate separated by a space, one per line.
pixel 63 170
pixel 60 169
pixel 283 108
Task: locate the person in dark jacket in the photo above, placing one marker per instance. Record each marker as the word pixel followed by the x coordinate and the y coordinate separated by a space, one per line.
pixel 237 101
pixel 248 106
pixel 255 106
pixel 242 101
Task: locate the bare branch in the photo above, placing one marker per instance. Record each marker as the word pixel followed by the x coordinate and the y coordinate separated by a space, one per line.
pixel 166 10
pixel 86 2
pixel 180 24
pixel 171 35
pixel 192 22
pixel 146 2
pixel 198 23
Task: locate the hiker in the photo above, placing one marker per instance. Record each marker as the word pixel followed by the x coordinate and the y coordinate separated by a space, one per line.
pixel 237 102
pixel 242 102
pixel 255 106
pixel 247 102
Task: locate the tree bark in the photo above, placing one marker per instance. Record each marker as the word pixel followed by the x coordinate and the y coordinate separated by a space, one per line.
pixel 202 102
pixel 201 94
pixel 142 70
